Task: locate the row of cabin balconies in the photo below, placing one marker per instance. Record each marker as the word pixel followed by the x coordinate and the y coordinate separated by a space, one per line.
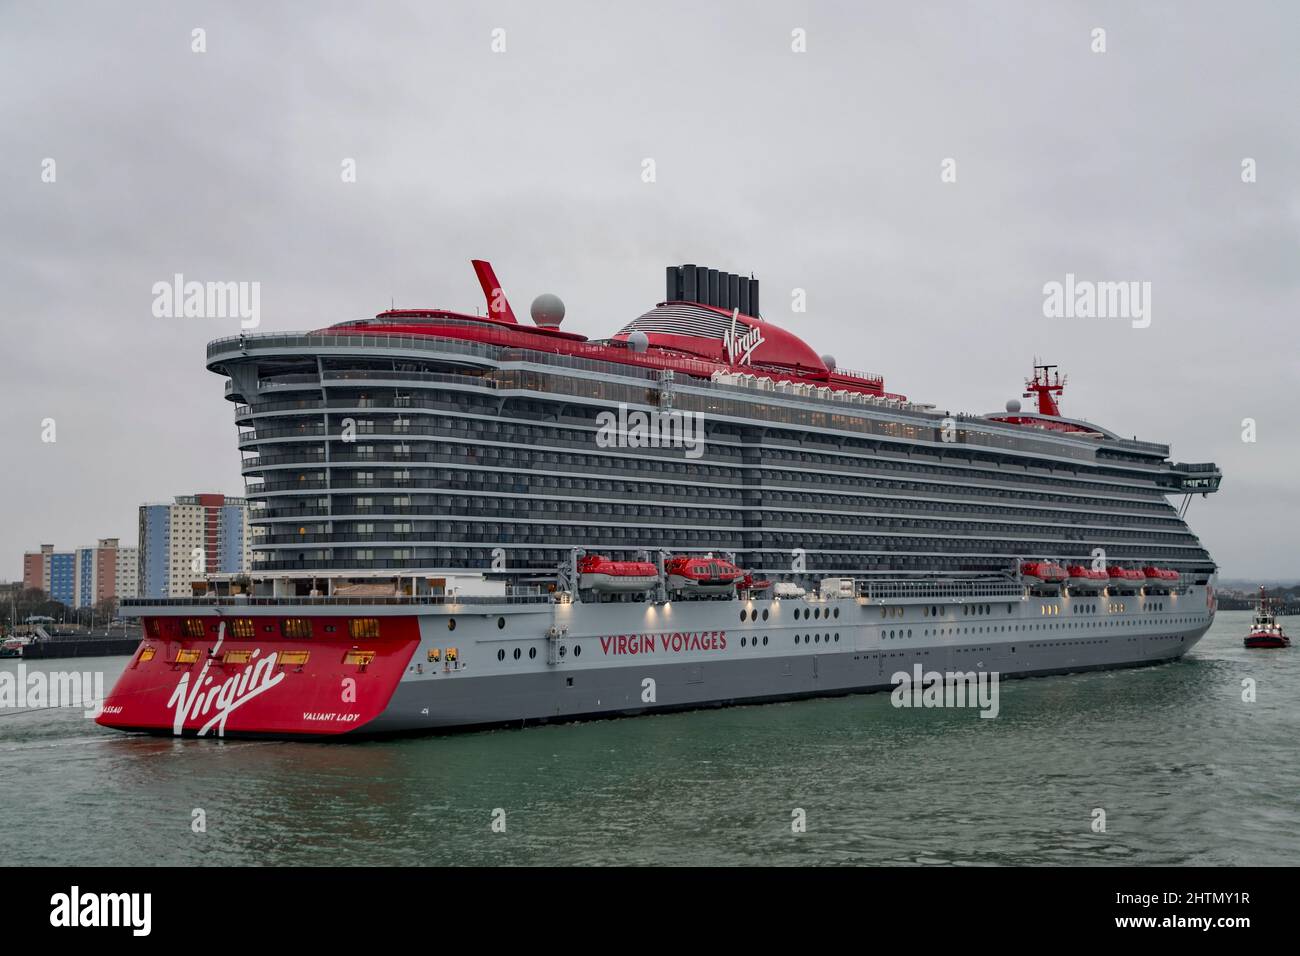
pixel 526 499
pixel 580 500
pixel 347 454
pixel 716 451
pixel 526 484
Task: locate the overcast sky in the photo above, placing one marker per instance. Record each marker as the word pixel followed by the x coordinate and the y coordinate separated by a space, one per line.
pixel 818 170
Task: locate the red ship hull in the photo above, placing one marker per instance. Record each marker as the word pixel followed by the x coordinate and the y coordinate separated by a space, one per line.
pixel 220 685
pixel 1267 641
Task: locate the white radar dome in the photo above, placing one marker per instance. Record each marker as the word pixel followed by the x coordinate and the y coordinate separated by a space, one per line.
pixel 547 310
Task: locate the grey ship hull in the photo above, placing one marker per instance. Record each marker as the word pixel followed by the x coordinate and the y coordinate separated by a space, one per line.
pixel 1022 642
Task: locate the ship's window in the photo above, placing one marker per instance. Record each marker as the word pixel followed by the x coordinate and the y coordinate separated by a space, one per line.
pixel 765 641
pixel 743 615
pixel 451 624
pixel 295 627
pixel 243 627
pixel 192 627
pixel 501 624
pixel 516 653
pixel 577 650
pixel 532 652
pixel 360 627
pixel 765 618
pixel 501 654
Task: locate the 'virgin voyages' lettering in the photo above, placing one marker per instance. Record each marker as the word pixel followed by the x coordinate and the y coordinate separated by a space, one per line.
pixel 677 642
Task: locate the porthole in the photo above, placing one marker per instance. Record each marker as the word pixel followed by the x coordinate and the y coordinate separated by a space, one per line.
pixel 817 638
pixel 837 612
pixel 796 639
pixel 501 624
pixel 837 638
pixel 563 650
pixel 577 650
pixel 765 615
pixel 817 613
pixel 451 624
pixel 765 640
pixel 532 653
pixel 501 654
pixel 516 653
pixel 743 616
pixel 742 642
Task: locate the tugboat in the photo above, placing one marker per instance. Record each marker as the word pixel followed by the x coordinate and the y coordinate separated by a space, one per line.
pixel 1265 631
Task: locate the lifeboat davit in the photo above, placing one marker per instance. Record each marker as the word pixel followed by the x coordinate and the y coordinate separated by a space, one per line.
pixel 702 575
pixel 1043 572
pixel 1081 577
pixel 598 573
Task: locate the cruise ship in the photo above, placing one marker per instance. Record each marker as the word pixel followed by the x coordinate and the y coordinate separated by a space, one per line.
pixel 467 520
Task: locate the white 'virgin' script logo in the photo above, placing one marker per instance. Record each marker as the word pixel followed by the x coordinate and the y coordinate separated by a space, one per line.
pixel 193 700
pixel 740 347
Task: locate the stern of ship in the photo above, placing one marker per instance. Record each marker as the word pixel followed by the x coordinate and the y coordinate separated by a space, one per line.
pixel 211 669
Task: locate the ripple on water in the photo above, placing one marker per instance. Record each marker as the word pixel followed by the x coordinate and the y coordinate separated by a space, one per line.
pixel 1185 771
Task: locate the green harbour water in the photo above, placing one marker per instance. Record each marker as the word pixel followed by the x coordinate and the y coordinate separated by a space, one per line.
pixel 1185 770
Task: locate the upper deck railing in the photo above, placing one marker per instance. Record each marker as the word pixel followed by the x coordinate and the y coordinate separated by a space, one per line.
pixel 239 600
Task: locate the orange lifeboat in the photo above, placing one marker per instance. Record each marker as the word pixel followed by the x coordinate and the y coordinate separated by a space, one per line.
pixel 1043 572
pixel 702 575
pixel 598 573
pixel 1081 577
